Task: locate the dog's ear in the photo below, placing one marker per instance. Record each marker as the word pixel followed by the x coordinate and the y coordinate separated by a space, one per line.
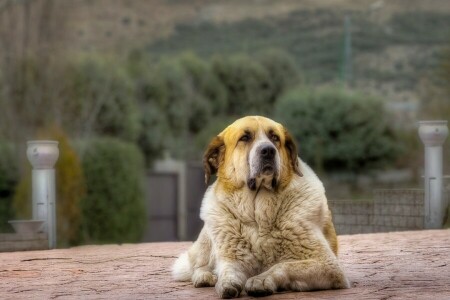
pixel 213 157
pixel 291 148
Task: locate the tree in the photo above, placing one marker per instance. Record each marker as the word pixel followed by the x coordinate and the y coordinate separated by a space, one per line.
pixel 102 99
pixel 282 72
pixel 247 83
pixel 177 98
pixel 205 82
pixel 338 129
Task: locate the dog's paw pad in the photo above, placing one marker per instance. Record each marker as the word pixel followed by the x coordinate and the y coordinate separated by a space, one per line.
pixel 260 287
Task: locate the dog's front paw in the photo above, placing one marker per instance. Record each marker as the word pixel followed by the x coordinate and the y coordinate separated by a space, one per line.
pixel 204 279
pixel 228 289
pixel 260 286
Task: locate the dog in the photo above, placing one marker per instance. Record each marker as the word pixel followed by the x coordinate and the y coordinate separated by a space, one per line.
pixel 267 226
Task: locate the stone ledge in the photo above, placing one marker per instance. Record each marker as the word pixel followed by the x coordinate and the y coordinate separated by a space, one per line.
pixel 400 265
pixel 8 237
pixel 23 241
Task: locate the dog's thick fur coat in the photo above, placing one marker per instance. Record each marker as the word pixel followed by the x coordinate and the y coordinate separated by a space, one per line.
pixel 267 223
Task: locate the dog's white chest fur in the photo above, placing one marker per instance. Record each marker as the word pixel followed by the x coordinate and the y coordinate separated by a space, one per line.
pixel 265 223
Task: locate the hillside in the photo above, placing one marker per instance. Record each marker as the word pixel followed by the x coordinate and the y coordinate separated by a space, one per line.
pixel 392 46
pixel 119 24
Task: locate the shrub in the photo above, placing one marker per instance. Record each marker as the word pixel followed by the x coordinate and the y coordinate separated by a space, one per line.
pixel 102 100
pixel 113 209
pixel 70 189
pixel 186 107
pixel 9 176
pixel 247 83
pixel 255 84
pixel 282 72
pixel 204 81
pixel 338 129
pixel 177 98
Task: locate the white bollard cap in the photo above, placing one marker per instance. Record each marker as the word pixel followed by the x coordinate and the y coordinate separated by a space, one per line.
pixel 433 133
pixel 43 154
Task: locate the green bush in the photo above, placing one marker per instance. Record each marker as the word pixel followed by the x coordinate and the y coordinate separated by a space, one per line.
pixel 102 99
pixel 204 81
pixel 185 106
pixel 247 83
pixel 177 97
pixel 113 210
pixel 254 84
pixel 338 129
pixel 9 175
pixel 282 72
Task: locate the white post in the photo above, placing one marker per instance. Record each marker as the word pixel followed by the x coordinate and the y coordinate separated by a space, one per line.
pixel 433 135
pixel 43 156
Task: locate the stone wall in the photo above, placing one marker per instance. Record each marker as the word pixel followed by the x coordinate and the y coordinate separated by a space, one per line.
pixel 390 210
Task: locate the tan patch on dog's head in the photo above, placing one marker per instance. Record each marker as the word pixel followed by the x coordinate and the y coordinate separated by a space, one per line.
pixel 235 153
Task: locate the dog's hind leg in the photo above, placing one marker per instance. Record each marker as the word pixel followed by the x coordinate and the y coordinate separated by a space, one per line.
pixel 196 264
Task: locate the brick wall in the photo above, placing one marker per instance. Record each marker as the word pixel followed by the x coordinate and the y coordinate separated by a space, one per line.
pixel 390 210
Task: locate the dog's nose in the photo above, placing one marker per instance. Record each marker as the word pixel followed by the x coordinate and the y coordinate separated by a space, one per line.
pixel 268 152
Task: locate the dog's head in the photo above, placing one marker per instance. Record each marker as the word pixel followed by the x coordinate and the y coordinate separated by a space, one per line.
pixel 253 151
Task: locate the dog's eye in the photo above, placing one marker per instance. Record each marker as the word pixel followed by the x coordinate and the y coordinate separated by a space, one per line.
pixel 275 138
pixel 245 138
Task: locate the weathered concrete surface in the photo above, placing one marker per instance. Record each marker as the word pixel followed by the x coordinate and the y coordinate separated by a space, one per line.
pixel 403 265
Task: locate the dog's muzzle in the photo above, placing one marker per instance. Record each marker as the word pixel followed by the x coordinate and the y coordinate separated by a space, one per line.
pixel 263 167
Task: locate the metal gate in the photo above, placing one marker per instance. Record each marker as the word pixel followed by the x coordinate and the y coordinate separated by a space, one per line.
pixel 174 196
pixel 162 194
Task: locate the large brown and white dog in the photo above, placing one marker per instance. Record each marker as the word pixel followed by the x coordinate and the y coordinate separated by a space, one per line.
pixel 267 223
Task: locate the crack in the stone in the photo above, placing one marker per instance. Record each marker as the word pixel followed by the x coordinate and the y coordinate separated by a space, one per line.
pixel 124 257
pixel 46 258
pixel 60 295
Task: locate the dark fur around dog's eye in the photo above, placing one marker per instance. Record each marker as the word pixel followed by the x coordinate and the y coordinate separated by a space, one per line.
pixel 246 137
pixel 273 137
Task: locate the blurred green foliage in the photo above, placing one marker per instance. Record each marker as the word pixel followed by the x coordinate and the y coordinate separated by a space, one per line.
pixel 9 175
pixel 247 83
pixel 338 129
pixel 254 84
pixel 114 208
pixel 177 98
pixel 208 85
pixel 282 71
pixel 100 99
pixel 70 188
pixel 181 97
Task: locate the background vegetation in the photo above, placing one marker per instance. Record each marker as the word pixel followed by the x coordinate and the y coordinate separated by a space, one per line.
pixel 339 129
pixel 114 208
